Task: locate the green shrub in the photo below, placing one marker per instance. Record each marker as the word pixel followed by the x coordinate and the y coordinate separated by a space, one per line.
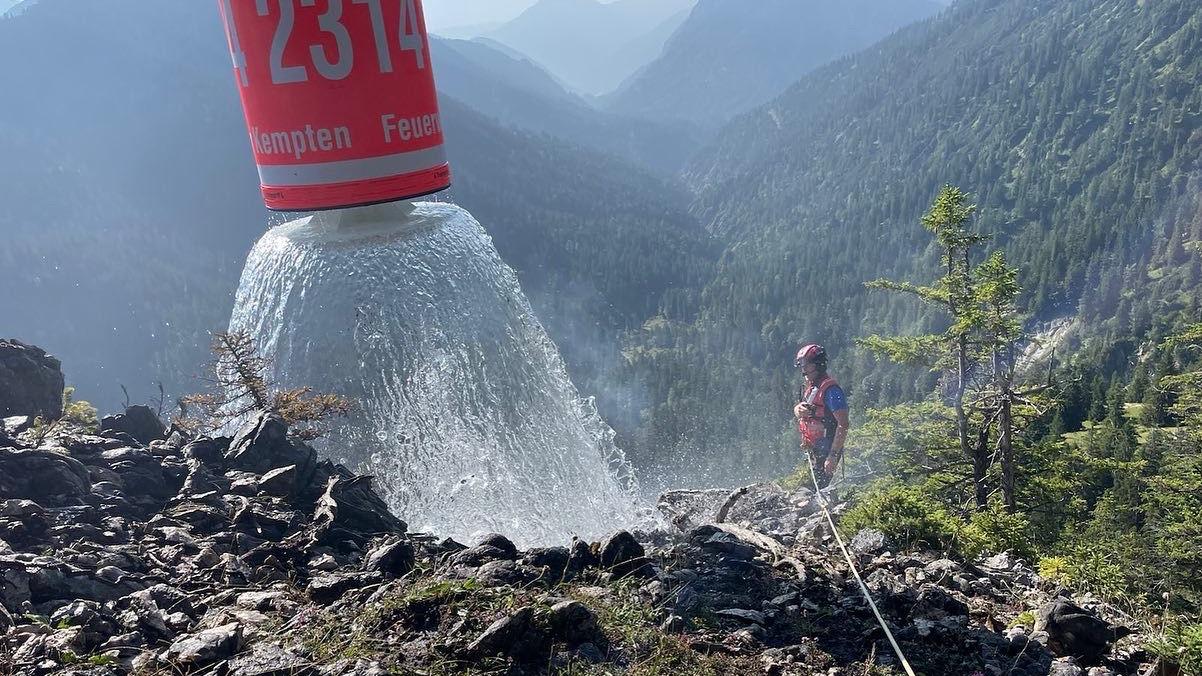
pixel 79 412
pixel 1024 619
pixel 1113 568
pixel 997 530
pixel 1055 569
pixel 1181 645
pixel 905 514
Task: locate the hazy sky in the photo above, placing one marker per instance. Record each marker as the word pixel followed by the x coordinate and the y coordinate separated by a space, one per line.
pixel 453 13
pixel 443 13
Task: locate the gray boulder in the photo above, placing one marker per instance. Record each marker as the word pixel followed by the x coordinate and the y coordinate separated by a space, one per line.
pixel 580 556
pixel 868 541
pixel 141 472
pixel 263 445
pixel 933 603
pixel 95 624
pixel 393 557
pixel 573 622
pixel 209 452
pixel 270 660
pixel 730 545
pixel 329 588
pixel 14 584
pixel 502 636
pixel 31 381
pixel 205 647
pixel 622 555
pixel 280 482
pixel 502 543
pixel 743 615
pixel 479 555
pixel 554 559
pixel 49 479
pixel 501 573
pixel 139 422
pixel 350 504
pixel 53 580
pixel 23 523
pixel 14 425
pixel 1075 632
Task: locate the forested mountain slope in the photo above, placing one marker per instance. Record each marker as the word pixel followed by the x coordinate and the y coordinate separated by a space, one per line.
pixel 598 245
pixel 127 200
pixel 731 55
pixel 462 64
pixel 140 219
pixel 592 45
pixel 1078 126
pixel 518 93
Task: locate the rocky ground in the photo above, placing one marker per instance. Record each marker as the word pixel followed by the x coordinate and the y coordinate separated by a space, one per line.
pixel 142 550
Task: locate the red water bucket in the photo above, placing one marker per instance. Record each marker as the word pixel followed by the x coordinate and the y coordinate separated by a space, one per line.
pixel 339 100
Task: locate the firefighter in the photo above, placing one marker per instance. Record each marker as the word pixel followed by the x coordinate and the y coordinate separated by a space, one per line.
pixel 821 413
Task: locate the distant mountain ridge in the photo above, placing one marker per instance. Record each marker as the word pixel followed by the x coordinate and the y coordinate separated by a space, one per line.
pixel 731 55
pixel 593 46
pixel 519 93
pixel 14 7
pixel 489 65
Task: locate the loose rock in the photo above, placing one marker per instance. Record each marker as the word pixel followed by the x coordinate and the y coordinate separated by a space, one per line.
pixel 31 381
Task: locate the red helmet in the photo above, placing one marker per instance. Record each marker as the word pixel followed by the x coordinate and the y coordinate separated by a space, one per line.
pixel 812 353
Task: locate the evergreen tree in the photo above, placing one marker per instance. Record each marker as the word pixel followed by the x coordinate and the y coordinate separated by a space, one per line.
pixel 996 288
pixel 1057 428
pixel 1158 400
pixel 1114 403
pixel 1139 383
pixel 978 346
pixel 1097 400
pixel 953 292
pixel 1183 392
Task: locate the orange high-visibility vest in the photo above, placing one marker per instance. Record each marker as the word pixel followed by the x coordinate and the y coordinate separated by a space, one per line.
pixel 816 419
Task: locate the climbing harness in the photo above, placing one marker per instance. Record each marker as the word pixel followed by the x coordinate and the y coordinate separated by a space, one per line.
pixel 863 588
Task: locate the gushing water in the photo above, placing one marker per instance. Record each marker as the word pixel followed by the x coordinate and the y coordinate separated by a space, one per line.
pixel 465 413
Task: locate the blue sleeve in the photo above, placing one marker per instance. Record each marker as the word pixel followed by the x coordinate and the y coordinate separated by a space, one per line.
pixel 835 400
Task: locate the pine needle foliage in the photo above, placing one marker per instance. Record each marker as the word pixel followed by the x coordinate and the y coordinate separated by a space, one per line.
pixel 240 387
pixel 1187 386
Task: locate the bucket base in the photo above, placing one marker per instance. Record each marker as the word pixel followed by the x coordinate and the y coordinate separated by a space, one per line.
pixel 357 193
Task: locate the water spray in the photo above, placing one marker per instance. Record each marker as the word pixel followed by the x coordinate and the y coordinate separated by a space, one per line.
pixel 464 410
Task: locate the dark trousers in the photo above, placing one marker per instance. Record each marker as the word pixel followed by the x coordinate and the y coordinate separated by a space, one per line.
pixel 818 453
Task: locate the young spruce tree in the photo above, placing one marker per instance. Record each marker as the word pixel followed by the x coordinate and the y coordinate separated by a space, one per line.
pixel 978 346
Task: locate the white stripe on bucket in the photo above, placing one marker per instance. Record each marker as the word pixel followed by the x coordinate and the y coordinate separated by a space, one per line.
pixel 279 175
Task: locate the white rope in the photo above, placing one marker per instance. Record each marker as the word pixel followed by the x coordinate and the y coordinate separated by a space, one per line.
pixel 864 588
